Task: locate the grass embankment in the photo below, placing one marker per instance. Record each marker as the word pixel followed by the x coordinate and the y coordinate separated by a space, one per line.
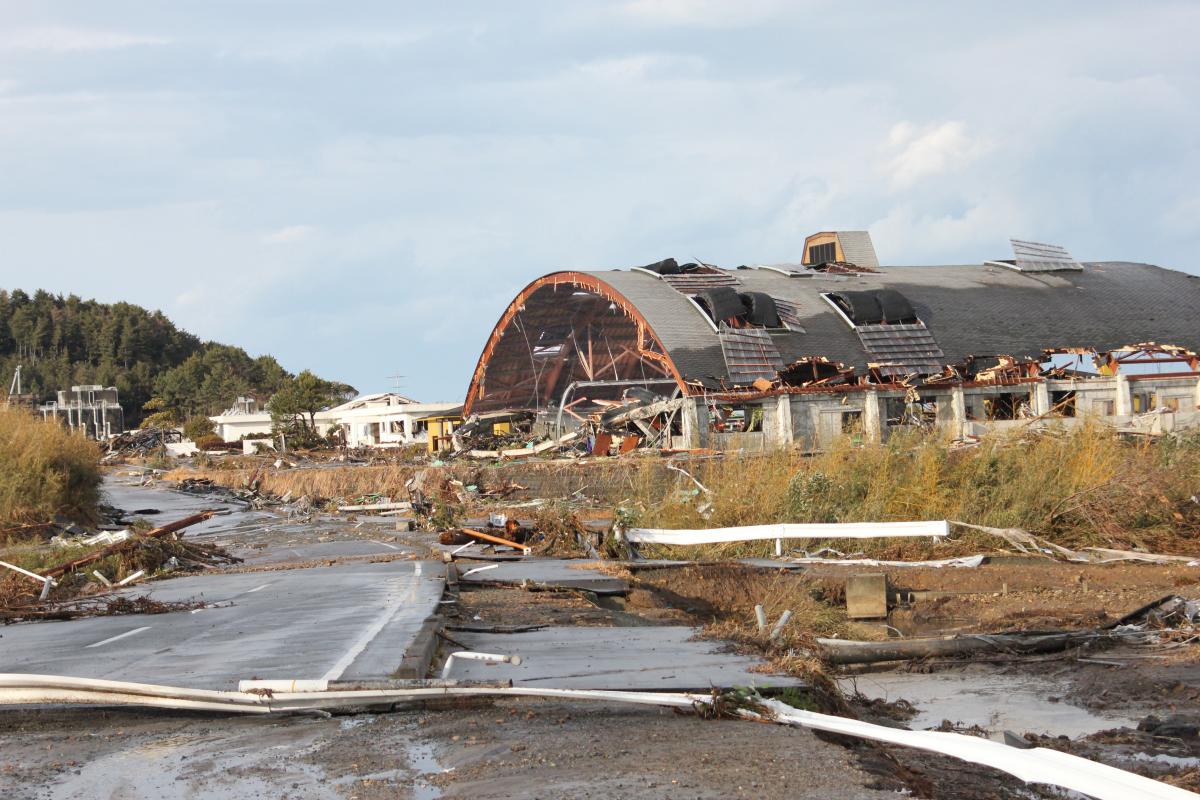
pixel 45 470
pixel 1077 488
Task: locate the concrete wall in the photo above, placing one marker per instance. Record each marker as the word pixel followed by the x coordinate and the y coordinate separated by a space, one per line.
pixel 813 421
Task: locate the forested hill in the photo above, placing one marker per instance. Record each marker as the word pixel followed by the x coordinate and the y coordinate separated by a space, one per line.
pixel 60 342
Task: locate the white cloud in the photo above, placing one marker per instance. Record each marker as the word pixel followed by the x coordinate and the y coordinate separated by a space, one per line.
pixel 935 150
pixel 642 67
pixel 702 13
pixel 289 235
pixel 67 40
pixel 291 47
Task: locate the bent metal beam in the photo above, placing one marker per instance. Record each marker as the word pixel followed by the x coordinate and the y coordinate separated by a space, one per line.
pixel 638 346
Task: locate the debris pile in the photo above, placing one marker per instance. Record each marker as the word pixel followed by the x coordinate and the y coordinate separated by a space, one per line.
pixel 114 560
pixel 141 443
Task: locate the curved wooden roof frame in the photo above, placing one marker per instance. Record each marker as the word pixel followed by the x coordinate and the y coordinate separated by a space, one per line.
pixel 592 284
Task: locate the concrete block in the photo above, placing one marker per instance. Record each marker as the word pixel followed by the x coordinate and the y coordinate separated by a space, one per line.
pixel 866 596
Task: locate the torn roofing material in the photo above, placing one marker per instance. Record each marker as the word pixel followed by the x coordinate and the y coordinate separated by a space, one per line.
pixel 966 310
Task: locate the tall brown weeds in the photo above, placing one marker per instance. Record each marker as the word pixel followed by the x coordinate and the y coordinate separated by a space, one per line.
pixel 45 470
pixel 1077 487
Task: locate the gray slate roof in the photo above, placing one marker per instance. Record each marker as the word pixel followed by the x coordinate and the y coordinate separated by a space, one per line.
pixel 971 310
pixel 858 248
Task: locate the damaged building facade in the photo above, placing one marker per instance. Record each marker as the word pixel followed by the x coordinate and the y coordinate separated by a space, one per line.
pixel 93 410
pixel 696 356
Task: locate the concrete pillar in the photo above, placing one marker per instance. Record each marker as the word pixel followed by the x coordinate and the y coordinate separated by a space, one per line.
pixel 690 422
pixel 872 418
pixel 782 433
pixel 958 411
pixel 1123 399
pixel 1041 399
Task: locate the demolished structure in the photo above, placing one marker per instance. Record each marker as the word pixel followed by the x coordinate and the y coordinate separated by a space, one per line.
pixel 94 411
pixel 696 356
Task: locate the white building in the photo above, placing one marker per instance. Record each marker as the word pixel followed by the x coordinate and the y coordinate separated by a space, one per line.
pixel 384 419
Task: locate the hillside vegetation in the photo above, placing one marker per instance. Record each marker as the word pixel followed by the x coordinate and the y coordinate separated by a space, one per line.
pixel 64 341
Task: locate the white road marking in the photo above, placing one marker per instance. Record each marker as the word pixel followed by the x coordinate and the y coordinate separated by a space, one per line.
pixel 372 631
pixel 119 636
pixel 256 589
pixel 385 544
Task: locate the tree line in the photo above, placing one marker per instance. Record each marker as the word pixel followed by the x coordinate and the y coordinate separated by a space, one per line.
pixel 162 373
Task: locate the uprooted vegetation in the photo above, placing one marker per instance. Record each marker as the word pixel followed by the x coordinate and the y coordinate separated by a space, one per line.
pixel 1080 487
pixel 82 572
pixel 45 471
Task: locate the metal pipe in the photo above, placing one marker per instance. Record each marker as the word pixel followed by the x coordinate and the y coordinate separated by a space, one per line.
pixel 624 382
pixel 783 620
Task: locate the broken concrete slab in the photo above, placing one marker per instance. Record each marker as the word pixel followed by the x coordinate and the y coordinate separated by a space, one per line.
pixel 650 658
pixel 563 573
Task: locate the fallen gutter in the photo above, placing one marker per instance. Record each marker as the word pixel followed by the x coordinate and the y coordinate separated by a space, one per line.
pixel 1037 765
pixel 750 533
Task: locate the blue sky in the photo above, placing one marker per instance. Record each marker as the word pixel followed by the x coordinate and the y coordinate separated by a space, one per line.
pixel 360 188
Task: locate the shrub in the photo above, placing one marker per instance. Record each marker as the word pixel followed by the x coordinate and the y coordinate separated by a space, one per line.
pixel 45 470
pixel 197 428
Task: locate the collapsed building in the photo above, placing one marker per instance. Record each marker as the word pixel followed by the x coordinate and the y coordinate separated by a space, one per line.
pixel 93 410
pixel 696 356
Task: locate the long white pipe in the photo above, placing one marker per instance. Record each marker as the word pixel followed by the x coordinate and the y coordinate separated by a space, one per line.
pixel 1037 765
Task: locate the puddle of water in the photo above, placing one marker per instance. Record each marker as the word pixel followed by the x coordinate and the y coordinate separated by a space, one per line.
pixel 423 761
pixel 1169 760
pixel 200 768
pixel 992 701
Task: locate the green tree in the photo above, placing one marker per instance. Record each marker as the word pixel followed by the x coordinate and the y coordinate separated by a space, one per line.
pixel 294 407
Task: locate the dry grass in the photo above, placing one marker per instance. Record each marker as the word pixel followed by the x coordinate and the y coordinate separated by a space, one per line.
pixel 324 483
pixel 1077 488
pixel 45 470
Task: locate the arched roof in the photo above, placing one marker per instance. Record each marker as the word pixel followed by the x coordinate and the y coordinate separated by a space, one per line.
pixel 969 309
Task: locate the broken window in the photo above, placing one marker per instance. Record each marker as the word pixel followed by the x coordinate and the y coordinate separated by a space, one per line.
pixel 1006 407
pixel 723 304
pixel 880 307
pixel 397 426
pixel 745 418
pixel 1062 403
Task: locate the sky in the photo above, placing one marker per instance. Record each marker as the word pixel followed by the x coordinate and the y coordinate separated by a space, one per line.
pixel 361 188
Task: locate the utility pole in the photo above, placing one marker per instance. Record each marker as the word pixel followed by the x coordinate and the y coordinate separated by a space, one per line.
pixel 16 384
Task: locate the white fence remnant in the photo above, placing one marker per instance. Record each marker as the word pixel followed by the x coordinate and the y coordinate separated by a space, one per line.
pixel 787 530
